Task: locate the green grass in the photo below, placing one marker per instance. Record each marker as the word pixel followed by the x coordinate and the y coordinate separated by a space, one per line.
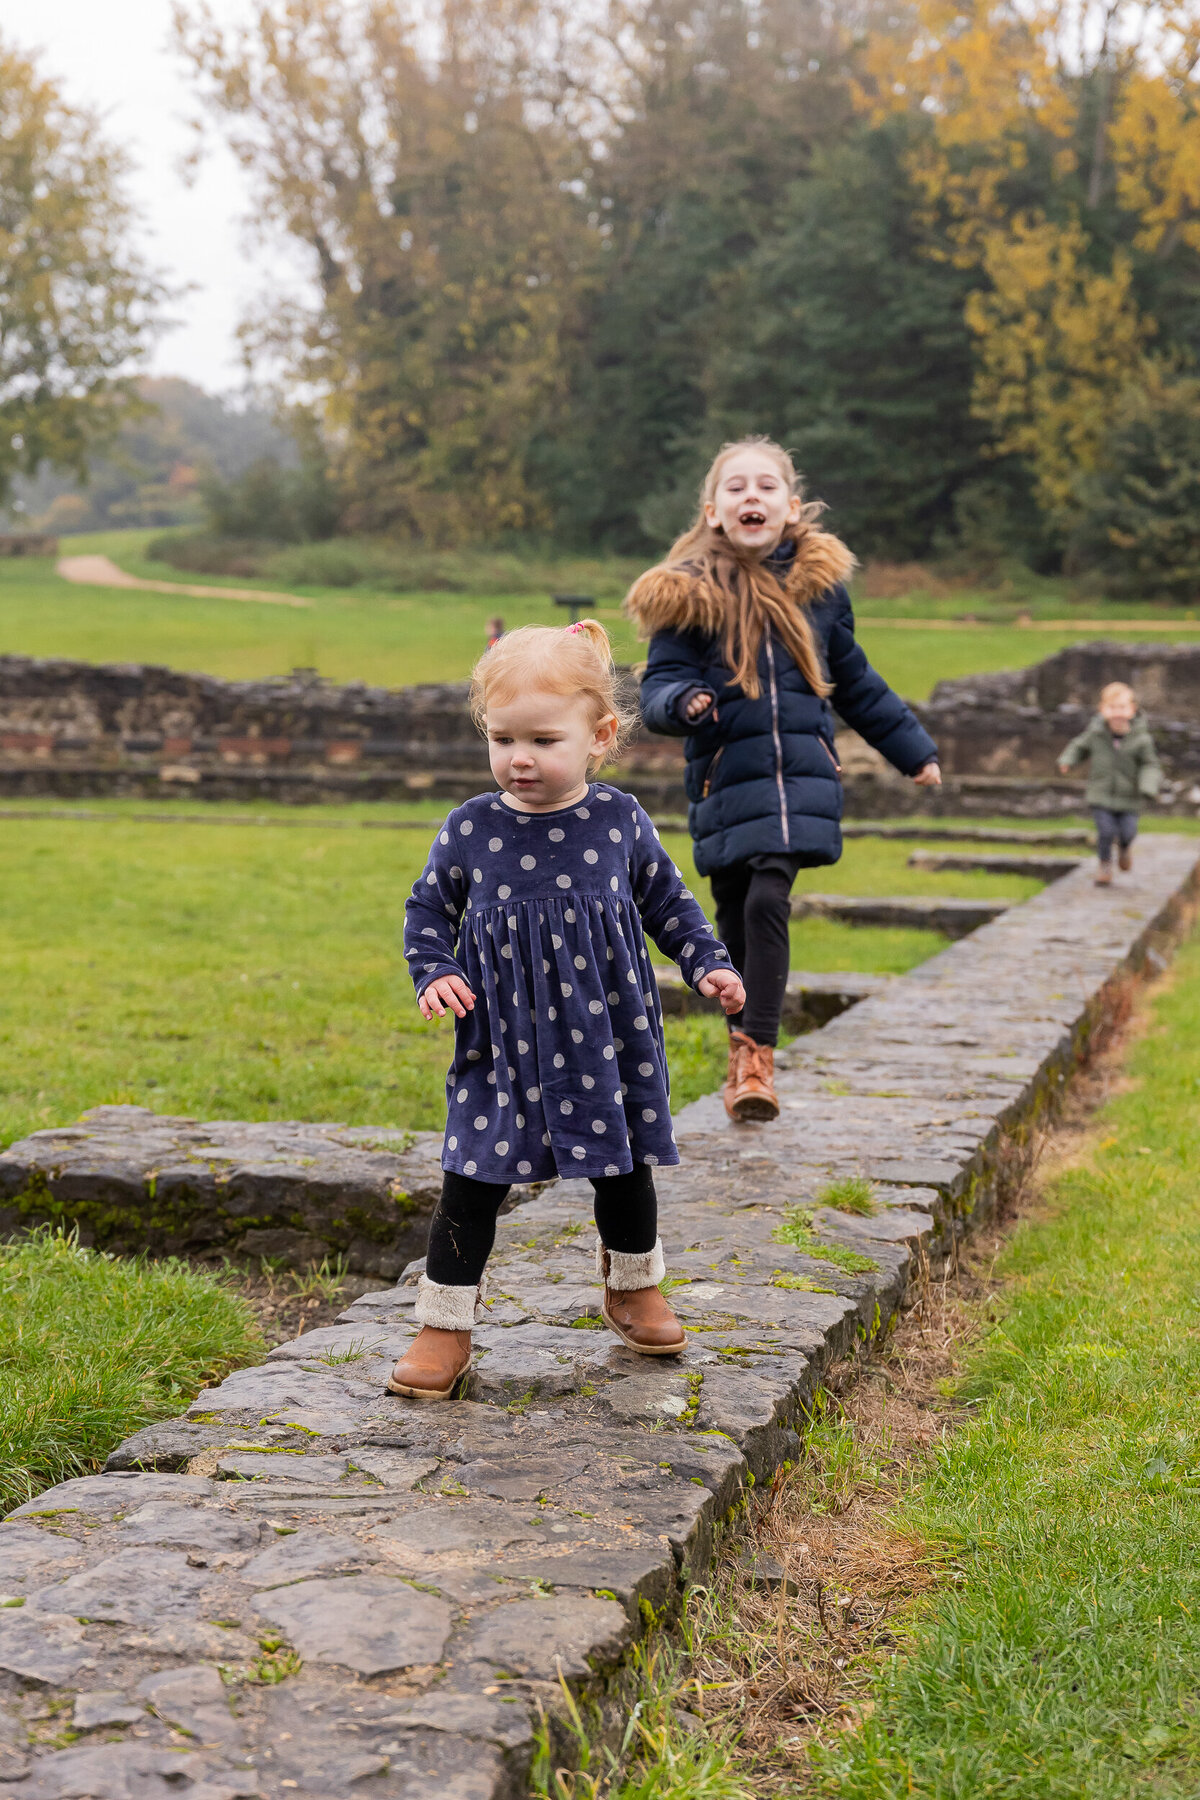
pixel 1064 1662
pixel 223 971
pixel 396 639
pixel 93 1347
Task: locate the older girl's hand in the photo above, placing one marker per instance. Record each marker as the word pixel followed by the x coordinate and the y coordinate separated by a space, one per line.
pixel 727 986
pixel 929 776
pixel 447 991
pixel 696 705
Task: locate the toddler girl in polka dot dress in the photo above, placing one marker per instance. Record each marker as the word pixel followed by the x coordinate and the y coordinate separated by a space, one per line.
pixel 527 925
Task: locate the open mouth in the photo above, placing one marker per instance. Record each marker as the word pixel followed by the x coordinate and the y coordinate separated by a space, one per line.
pixel 752 517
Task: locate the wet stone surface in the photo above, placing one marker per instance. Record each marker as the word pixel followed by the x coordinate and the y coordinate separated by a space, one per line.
pixel 309 1587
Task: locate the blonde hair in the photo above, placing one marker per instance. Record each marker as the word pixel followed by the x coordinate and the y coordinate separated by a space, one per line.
pixel 750 597
pixel 1117 690
pixel 570 660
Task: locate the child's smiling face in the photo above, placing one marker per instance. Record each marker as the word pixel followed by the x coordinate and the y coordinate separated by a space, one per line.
pixel 541 747
pixel 752 501
pixel 1117 711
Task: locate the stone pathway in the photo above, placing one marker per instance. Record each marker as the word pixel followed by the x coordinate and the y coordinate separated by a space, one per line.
pixel 305 1587
pixel 953 917
pixel 102 571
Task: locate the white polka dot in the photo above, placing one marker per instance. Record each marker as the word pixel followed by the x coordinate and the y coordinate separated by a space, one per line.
pixel 569 915
pixel 481 1123
pixel 649 1114
pixel 522 1046
pixel 476 874
pixel 466 828
pixel 599 1127
pixel 645 1068
pixel 556 940
pixel 512 1073
pixel 581 962
pixel 516 1002
pixel 595 1006
pixel 578 1152
pixel 429 931
pixel 618 1096
pixel 652 1160
pixel 492 1077
pixel 559 1059
pixel 603 794
pixel 452 1143
pixel 428 968
pixel 589 1081
pixel 641 1023
pixel 581 812
pixel 618 1044
pixel 591 856
pixel 609 1053
pixel 431 879
pixel 624 1089
pixel 502 1147
pixel 444 838
pixel 546 1138
pixel 651 868
pixel 506 950
pixel 566 1107
pixel 613 883
pixel 564 881
pixel 670 924
pixel 533 1095
pixel 567 989
pixel 611 1169
pixel 576 1035
pixel 503 893
pixel 495 844
pixel 611 952
pixel 545 966
pixel 503 1028
pixel 615 835
pixel 470 1168
pixel 552 1012
pixel 614 999
pixel 474 1055
pixel 524 1168
pixel 520 1121
pixel 631 974
pixel 502 1099
pixel 557 835
pixel 688 950
pixel 529 862
pixel 461 1095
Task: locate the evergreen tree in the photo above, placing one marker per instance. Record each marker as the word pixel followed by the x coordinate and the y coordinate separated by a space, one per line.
pixel 1140 526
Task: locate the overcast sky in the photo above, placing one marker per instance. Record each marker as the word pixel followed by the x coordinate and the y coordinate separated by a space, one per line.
pixel 114 55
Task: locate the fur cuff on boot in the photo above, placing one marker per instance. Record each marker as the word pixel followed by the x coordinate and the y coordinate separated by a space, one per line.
pixel 625 1271
pixel 449 1308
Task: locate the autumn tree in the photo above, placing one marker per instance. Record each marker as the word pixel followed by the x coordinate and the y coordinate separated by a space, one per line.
pixel 77 304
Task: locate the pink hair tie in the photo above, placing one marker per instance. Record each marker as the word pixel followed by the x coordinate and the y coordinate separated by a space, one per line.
pixel 577 626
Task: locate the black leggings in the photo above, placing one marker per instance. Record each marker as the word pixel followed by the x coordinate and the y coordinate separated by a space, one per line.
pixel 463 1228
pixel 752 918
pixel 1109 825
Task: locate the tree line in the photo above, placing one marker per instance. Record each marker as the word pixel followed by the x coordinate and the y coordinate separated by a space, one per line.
pixel 948 253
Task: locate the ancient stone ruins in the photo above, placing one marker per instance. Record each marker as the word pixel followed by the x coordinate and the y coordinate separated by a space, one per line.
pixel 76 729
pixel 306 1587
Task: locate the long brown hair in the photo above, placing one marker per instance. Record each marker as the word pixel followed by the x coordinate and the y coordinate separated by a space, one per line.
pixel 747 597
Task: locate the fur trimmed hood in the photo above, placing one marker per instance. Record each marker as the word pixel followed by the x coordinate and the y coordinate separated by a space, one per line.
pixel 677 597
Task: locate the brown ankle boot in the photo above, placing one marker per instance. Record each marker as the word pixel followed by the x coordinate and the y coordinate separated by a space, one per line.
pixel 1125 858
pixel 1104 876
pixel 750 1085
pixel 633 1306
pixel 433 1365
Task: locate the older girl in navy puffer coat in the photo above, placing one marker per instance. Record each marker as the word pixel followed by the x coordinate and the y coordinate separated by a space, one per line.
pixel 751 648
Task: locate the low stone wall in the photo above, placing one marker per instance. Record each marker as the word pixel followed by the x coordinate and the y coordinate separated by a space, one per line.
pixel 307 1585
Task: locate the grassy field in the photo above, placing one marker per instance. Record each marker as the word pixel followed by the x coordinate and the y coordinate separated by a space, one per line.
pixel 1063 1661
pixel 395 639
pixel 228 971
pixel 93 1347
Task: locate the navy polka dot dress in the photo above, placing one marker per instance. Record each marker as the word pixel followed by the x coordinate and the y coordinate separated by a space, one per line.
pixel 560 1069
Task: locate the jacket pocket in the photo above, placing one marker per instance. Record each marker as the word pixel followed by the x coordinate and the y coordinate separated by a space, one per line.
pixel 710 772
pixel 837 767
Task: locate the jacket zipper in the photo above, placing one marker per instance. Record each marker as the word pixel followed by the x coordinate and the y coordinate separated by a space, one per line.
pixel 829 753
pixel 712 769
pixel 783 817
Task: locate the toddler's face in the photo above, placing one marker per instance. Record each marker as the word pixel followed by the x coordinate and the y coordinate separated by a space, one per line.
pixel 1117 712
pixel 753 502
pixel 540 747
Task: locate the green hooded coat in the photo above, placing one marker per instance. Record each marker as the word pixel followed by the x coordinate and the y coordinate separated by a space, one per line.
pixel 1123 773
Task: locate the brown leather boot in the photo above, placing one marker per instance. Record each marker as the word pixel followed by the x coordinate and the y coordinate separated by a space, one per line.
pixel 433 1365
pixel 749 1091
pixel 1125 858
pixel 1104 876
pixel 633 1306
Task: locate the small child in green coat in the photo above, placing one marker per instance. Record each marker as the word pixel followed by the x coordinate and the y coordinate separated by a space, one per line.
pixel 1123 773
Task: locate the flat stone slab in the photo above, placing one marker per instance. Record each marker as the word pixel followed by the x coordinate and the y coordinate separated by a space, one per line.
pixel 952 918
pixel 1038 868
pixel 810 1001
pixel 362 1594
pixel 927 832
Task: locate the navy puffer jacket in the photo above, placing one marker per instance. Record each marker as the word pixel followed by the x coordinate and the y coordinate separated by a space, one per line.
pixel 762 776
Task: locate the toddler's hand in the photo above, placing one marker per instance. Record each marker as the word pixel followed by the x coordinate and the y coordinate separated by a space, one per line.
pixel 727 986
pixel 929 776
pixel 1064 768
pixel 447 991
pixel 696 705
